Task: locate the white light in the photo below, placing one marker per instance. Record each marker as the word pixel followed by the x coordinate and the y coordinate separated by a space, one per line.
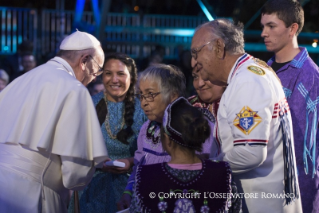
pixel 314 44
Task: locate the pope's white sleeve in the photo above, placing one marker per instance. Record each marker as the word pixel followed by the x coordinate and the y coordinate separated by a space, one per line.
pixel 76 172
pixel 249 114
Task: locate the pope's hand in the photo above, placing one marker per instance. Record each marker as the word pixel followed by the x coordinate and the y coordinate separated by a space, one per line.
pixel 118 170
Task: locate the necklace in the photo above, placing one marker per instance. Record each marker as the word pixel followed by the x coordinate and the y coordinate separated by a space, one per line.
pixel 153 132
pixel 107 122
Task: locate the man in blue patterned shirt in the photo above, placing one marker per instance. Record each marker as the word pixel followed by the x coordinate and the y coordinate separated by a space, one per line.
pixel 282 21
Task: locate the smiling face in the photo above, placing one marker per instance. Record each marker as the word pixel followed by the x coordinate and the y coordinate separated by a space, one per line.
pixel 206 62
pixel 275 33
pixel 154 110
pixel 116 80
pixel 206 91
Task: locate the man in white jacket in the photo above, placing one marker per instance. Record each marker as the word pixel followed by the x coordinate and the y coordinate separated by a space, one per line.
pixel 50 138
pixel 253 126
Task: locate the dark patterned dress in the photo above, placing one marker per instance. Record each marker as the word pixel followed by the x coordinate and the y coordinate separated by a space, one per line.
pixel 194 190
pixel 106 189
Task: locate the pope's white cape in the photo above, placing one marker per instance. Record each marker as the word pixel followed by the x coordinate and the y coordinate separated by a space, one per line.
pixel 48 108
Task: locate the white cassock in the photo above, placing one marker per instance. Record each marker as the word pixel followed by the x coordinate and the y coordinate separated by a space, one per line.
pixel 248 130
pixel 50 139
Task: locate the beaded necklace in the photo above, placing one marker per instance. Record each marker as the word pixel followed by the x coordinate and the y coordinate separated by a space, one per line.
pixel 153 132
pixel 107 122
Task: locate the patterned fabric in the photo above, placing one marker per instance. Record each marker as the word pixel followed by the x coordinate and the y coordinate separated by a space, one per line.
pixel 153 131
pixel 106 189
pixel 300 80
pixel 180 182
pixel 150 152
pixel 182 175
pixel 197 102
pixel 287 92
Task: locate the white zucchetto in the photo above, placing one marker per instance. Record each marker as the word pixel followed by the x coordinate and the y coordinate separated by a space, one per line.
pixel 79 41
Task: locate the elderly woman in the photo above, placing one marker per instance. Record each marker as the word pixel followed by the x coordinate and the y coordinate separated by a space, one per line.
pixel 159 85
pixel 121 118
pixel 207 99
pixel 208 94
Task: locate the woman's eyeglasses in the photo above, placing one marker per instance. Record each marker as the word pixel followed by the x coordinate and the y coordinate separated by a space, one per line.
pixel 148 97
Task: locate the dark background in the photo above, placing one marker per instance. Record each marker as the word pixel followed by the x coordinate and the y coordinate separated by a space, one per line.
pixel 239 10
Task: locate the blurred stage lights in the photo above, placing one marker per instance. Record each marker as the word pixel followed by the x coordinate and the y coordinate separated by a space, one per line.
pixel 136 8
pixel 315 43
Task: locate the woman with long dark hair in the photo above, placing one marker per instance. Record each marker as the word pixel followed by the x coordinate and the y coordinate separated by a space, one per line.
pixel 121 117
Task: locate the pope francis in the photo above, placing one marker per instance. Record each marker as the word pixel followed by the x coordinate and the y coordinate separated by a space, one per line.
pixel 50 137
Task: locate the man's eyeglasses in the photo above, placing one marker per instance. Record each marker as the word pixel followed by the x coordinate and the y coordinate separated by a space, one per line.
pixel 100 71
pixel 195 51
pixel 148 97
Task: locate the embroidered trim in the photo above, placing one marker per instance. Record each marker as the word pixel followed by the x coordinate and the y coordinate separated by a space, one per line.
pixel 281 108
pixel 162 205
pixel 155 153
pixel 136 191
pixel 241 60
pixel 184 183
pixel 153 132
pixel 250 142
pixel 172 133
pixel 290 179
pixel 208 114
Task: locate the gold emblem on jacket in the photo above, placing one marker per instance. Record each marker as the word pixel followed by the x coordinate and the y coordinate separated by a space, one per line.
pixel 246 120
pixel 256 70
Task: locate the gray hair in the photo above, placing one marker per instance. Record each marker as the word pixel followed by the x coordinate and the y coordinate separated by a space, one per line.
pixel 169 78
pixel 230 33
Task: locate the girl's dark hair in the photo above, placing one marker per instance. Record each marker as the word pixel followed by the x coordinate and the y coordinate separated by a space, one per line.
pixel 129 101
pixel 191 123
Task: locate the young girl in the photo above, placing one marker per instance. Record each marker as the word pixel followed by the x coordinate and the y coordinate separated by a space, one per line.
pixel 185 183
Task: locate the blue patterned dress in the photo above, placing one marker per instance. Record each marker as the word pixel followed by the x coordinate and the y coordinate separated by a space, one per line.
pixel 106 189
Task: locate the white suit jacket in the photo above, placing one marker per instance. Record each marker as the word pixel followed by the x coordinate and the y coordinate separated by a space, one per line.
pixel 249 133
